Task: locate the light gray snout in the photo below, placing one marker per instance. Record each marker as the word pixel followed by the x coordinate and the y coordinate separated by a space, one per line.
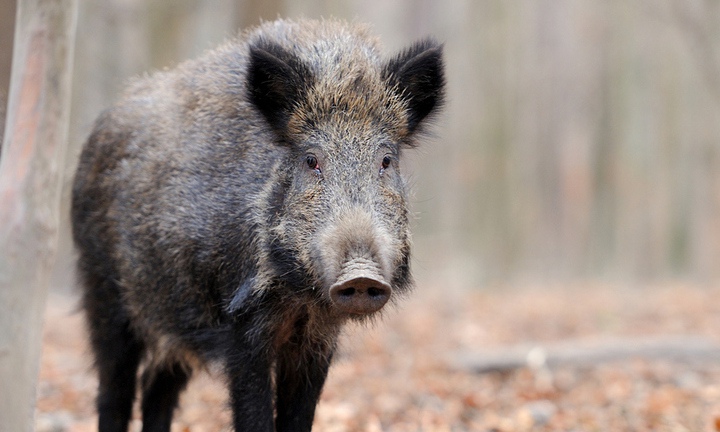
pixel 360 289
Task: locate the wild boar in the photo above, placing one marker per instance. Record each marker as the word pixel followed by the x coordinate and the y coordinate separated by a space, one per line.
pixel 240 208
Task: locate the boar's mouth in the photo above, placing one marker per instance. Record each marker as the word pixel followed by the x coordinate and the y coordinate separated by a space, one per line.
pixel 360 289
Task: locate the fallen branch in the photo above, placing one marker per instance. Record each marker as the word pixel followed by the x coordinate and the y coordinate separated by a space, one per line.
pixel 588 353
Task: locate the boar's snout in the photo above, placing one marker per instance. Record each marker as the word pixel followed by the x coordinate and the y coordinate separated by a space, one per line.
pixel 360 296
pixel 355 252
pixel 360 289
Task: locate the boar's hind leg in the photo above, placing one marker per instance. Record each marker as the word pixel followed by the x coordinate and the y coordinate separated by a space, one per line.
pixel 160 396
pixel 300 378
pixel 117 356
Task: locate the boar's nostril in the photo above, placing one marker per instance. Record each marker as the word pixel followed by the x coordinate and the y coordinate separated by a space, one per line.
pixel 347 292
pixel 376 292
pixel 360 296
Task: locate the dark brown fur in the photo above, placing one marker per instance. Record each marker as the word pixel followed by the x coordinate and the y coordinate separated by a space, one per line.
pixel 205 235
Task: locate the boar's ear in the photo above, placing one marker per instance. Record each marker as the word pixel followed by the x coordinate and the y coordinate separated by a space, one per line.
pixel 418 75
pixel 277 80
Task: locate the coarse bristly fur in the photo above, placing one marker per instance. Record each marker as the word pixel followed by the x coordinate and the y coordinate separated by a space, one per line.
pixel 218 206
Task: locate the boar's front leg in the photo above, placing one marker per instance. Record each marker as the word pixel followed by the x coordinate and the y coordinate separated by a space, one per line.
pixel 250 389
pixel 300 375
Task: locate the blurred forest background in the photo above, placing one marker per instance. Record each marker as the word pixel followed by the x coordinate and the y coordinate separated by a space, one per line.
pixel 581 139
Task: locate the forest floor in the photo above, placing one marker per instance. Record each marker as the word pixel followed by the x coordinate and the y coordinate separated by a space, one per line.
pixel 588 357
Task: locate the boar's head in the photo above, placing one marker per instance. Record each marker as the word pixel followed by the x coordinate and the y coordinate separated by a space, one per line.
pixel 339 218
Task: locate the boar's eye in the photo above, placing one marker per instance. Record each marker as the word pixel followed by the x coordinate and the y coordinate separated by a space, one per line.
pixel 386 162
pixel 312 163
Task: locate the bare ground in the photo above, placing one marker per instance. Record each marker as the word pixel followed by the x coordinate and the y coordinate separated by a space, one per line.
pixel 417 369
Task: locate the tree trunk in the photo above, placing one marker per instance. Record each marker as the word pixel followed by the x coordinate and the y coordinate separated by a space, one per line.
pixel 30 171
pixel 7 26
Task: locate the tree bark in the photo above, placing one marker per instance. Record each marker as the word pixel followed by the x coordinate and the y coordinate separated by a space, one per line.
pixel 7 26
pixel 30 180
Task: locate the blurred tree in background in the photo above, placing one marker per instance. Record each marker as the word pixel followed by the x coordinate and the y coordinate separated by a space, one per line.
pixel 581 138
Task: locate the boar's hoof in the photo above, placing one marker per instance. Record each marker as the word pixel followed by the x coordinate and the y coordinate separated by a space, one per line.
pixel 360 296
